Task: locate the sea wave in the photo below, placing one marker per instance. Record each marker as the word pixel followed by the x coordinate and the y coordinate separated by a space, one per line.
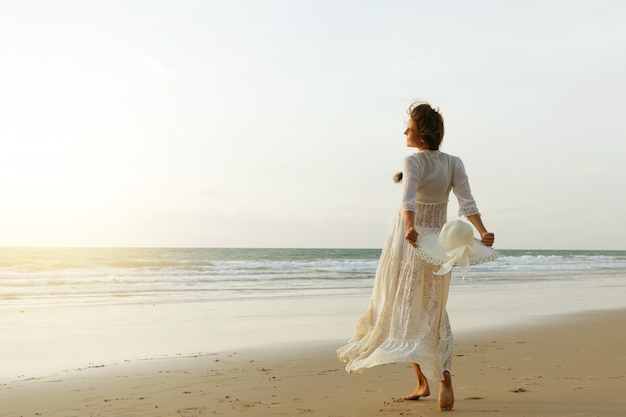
pixel 91 275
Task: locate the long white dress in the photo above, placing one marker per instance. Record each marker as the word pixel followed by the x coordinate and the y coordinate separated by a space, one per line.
pixel 406 320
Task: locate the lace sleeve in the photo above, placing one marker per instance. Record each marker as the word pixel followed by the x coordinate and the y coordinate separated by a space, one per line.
pixel 462 190
pixel 409 183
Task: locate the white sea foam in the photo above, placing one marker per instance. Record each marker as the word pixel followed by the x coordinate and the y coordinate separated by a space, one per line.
pixel 30 277
pixel 64 308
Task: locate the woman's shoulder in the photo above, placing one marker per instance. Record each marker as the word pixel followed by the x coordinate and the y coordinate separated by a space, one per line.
pixel 410 160
pixel 436 154
pixel 452 158
pixel 417 157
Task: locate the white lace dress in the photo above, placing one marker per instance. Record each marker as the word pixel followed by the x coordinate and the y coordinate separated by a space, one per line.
pixel 406 320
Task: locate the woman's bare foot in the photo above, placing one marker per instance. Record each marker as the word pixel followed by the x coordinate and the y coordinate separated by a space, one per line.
pixel 419 392
pixel 422 389
pixel 446 395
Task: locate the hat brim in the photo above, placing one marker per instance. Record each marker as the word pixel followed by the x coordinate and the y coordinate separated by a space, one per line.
pixel 430 250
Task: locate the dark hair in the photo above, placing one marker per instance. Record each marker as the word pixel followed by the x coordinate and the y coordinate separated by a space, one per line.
pixel 429 123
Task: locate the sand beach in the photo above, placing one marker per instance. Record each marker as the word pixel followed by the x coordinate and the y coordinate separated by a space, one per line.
pixel 564 365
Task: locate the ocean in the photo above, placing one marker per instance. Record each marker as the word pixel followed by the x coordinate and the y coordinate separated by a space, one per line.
pixel 66 308
pixel 32 277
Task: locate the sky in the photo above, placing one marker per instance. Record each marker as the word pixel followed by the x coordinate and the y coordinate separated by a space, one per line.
pixel 279 123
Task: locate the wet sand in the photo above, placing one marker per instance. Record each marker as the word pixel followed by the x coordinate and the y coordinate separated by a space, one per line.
pixel 572 365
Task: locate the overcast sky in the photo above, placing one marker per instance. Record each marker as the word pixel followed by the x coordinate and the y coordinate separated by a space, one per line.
pixel 279 123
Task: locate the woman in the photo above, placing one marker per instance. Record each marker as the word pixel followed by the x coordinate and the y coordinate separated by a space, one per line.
pixel 407 320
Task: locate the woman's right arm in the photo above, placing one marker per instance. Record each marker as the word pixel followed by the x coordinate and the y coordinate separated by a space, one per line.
pixel 487 238
pixel 467 204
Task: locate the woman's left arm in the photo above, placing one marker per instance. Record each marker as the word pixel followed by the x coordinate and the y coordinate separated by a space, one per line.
pixel 410 234
pixel 409 194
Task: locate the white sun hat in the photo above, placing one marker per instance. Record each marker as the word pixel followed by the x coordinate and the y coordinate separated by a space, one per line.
pixel 454 245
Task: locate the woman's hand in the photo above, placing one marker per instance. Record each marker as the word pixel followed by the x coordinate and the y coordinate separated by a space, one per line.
pixel 411 236
pixel 487 239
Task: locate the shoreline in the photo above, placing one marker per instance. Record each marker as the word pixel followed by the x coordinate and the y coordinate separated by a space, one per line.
pixel 42 340
pixel 564 365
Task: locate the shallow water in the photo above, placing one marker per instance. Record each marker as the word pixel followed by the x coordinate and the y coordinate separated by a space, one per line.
pixel 63 309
